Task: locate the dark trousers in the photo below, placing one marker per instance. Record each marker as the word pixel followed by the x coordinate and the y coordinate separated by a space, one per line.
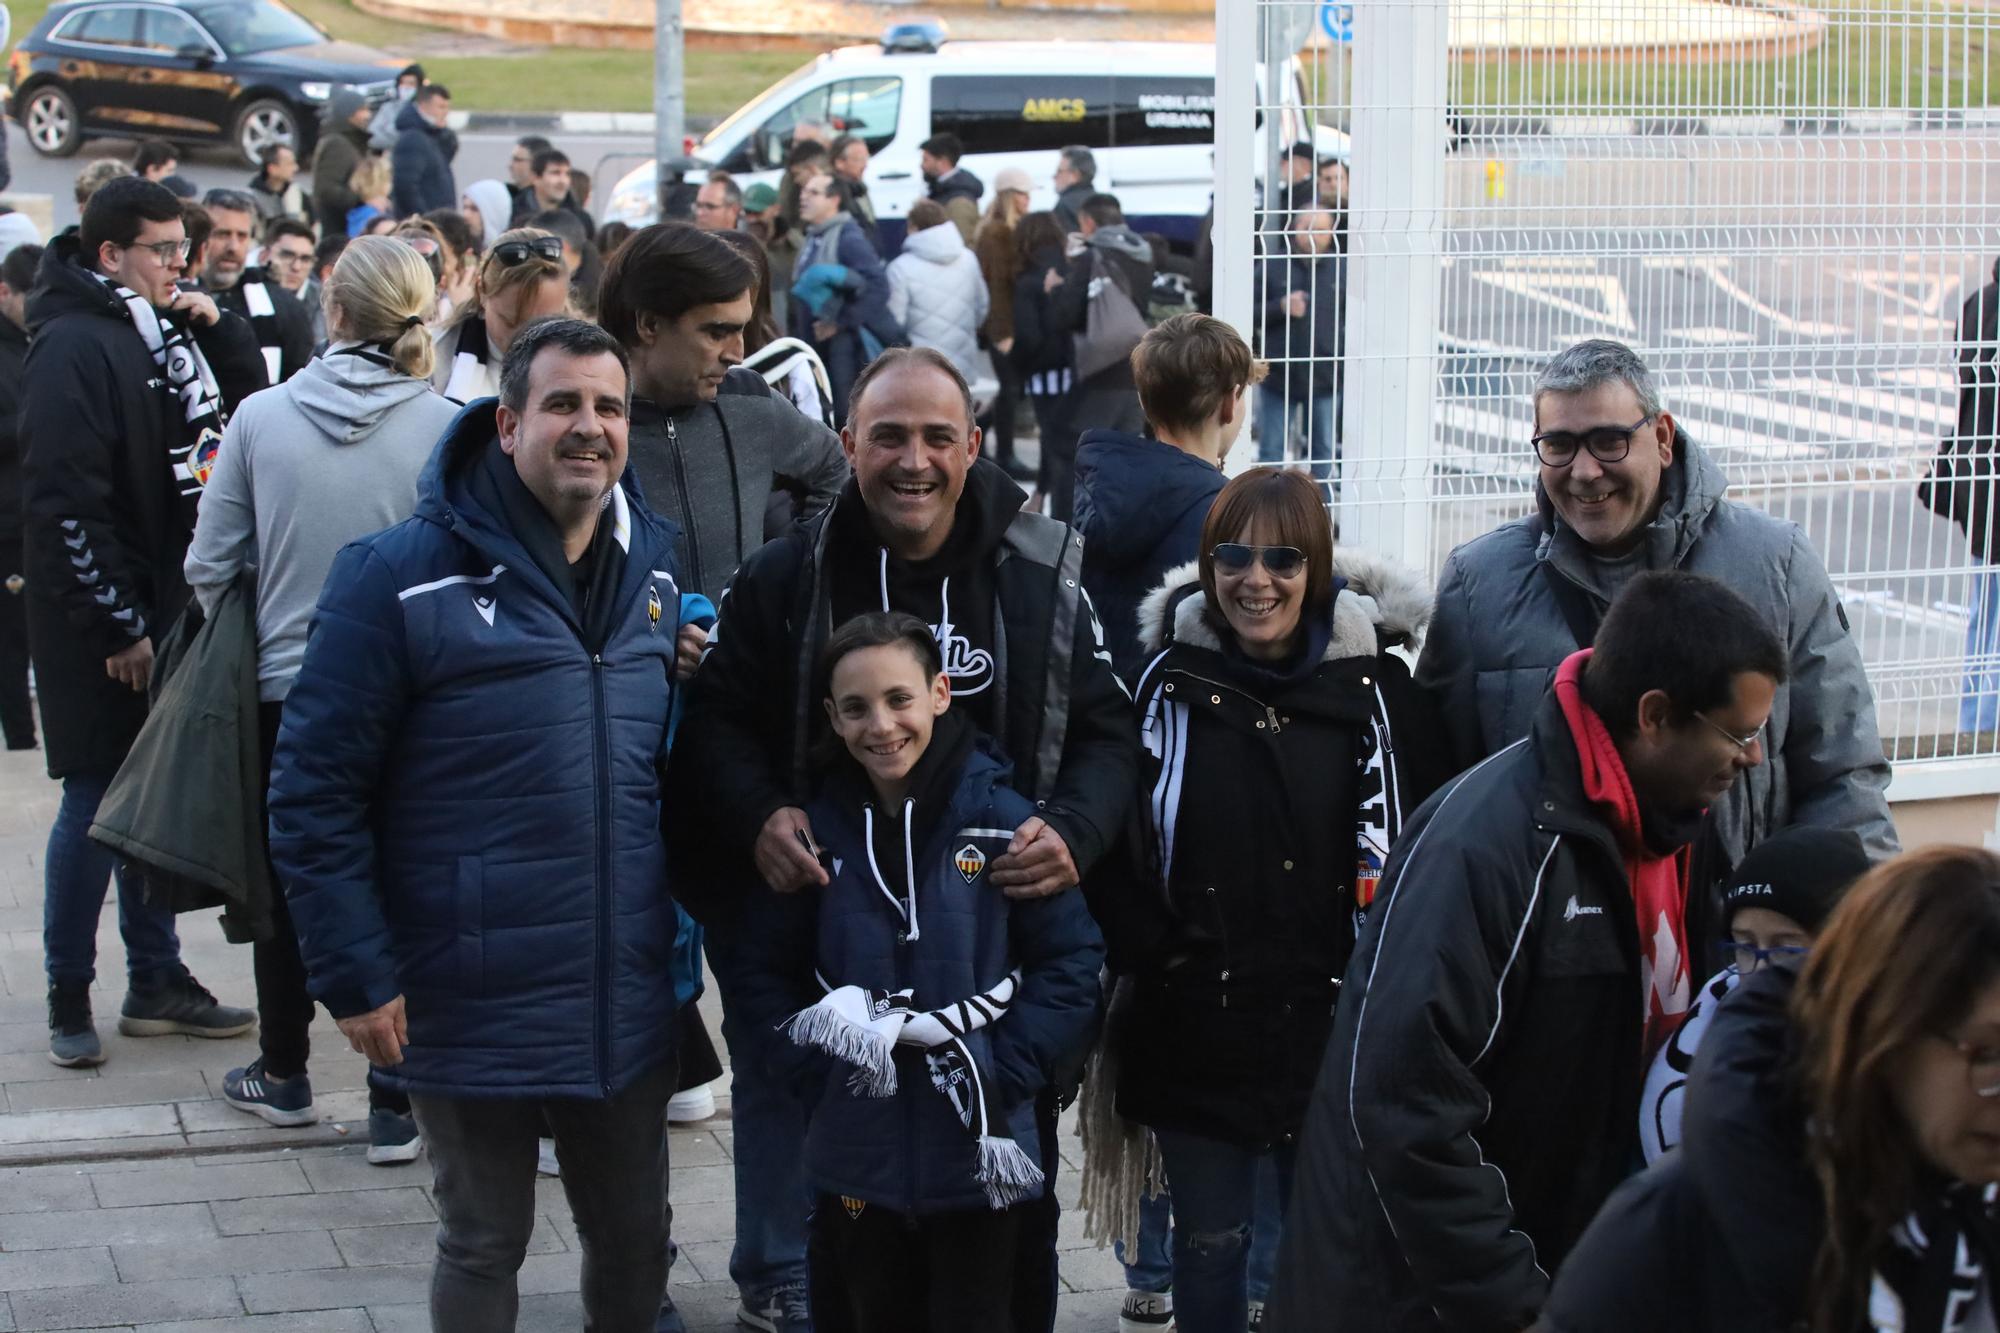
pixel 284 1007
pixel 614 1171
pixel 875 1270
pixel 842 356
pixel 17 715
pixel 1056 477
pixel 1005 404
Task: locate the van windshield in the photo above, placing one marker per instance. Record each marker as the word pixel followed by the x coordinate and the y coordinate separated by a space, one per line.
pixel 712 141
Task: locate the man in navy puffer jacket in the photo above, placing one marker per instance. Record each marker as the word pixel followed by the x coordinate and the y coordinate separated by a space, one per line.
pixel 465 812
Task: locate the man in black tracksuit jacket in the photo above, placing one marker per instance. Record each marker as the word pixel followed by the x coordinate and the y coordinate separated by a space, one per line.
pixel 1020 642
pixel 1479 1099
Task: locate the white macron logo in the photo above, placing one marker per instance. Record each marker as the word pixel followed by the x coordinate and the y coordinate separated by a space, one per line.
pixel 1575 910
pixel 484 606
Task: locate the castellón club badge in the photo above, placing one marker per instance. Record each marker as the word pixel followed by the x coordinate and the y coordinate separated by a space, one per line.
pixel 970 861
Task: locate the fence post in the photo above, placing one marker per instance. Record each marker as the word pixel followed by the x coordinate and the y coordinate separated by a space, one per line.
pixel 1235 175
pixel 1394 275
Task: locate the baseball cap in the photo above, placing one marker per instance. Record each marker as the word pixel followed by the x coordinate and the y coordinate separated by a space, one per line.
pixel 759 197
pixel 1800 872
pixel 1012 178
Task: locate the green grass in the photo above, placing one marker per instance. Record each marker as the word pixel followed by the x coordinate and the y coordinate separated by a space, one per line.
pixel 1887 55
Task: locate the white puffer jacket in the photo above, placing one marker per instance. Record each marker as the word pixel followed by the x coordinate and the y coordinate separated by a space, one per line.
pixel 938 294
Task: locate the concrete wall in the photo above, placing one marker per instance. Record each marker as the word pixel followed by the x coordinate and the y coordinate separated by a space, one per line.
pixel 1956 819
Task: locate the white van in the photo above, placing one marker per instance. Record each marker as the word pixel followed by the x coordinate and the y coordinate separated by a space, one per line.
pixel 1146 110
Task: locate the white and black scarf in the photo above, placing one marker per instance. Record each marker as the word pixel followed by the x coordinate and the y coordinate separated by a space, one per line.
pixel 862 1028
pixel 1937 1265
pixel 189 381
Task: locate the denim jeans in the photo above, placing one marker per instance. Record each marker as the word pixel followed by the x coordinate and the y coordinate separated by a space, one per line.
pixel 1215 1204
pixel 75 876
pixel 772 1201
pixel 614 1171
pixel 1274 420
pixel 1150 1266
pixel 1979 702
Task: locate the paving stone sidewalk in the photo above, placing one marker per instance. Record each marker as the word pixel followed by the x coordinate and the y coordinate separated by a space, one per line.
pixel 132 1197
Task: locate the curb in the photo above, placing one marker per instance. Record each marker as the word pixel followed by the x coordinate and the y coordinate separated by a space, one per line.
pixel 567 122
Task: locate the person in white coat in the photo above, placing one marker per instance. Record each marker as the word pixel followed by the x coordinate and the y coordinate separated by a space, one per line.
pixel 936 289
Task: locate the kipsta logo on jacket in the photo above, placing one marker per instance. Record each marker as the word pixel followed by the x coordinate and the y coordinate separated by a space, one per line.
pixel 970 862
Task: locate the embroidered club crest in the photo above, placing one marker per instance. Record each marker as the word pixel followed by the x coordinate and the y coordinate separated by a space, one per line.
pixel 853 1205
pixel 970 861
pixel 653 607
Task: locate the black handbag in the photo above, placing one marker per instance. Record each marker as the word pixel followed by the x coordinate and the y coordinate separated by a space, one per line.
pixel 1959 486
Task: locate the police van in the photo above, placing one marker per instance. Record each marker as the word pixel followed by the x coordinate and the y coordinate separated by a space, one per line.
pixel 1146 110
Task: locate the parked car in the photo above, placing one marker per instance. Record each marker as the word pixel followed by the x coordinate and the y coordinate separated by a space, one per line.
pixel 1146 110
pixel 247 73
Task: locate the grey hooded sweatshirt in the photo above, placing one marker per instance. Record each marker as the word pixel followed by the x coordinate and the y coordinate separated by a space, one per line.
pixel 713 469
pixel 328 456
pixel 1499 634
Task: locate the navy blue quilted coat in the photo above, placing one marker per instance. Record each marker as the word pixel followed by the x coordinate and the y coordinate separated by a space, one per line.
pixel 465 802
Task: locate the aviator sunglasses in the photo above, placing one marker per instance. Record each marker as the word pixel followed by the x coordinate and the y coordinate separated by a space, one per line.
pixel 1281 562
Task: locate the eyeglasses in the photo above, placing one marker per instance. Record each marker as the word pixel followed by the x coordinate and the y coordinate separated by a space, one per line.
pixel 1741 743
pixel 1982 1066
pixel 1743 959
pixel 291 257
pixel 511 253
pixel 1280 562
pixel 167 251
pixel 1607 444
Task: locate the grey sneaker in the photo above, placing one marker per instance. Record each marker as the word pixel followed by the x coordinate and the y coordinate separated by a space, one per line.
pixel 392 1138
pixel 781 1310
pixel 180 1004
pixel 73 1040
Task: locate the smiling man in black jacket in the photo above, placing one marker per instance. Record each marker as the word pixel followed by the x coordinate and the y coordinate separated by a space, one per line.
pixel 929 528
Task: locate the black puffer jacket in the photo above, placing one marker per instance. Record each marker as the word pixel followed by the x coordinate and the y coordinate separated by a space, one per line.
pixel 13 365
pixel 1719 1236
pixel 1237 913
pixel 106 524
pixel 1480 1096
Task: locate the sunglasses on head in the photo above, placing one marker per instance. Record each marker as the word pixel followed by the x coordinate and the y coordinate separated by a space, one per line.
pixel 511 253
pixel 1280 562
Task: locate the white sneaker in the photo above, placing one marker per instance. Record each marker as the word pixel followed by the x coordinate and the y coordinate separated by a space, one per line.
pixel 1146 1312
pixel 545 1161
pixel 684 1108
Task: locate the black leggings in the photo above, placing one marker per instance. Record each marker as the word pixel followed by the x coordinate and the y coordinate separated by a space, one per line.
pixel 875 1270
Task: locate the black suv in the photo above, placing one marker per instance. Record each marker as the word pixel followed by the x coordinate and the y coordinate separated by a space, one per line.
pixel 243 72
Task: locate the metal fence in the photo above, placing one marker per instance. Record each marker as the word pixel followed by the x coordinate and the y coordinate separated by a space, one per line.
pixel 1783 207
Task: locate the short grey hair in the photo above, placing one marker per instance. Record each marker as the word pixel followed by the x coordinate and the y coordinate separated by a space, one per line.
pixel 1081 160
pixel 1596 361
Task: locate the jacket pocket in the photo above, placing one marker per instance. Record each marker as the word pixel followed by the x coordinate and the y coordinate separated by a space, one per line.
pixel 469 894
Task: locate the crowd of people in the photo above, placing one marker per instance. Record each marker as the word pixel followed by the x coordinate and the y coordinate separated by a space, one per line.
pixel 558 617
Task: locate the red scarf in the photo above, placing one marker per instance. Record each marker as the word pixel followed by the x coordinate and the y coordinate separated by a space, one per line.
pixel 1659 883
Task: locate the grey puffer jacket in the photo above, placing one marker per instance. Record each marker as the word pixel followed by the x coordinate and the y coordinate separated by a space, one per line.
pixel 1498 635
pixel 938 293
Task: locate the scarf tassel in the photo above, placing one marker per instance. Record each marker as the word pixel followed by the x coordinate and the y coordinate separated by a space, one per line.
pixel 1006 1172
pixel 870 1053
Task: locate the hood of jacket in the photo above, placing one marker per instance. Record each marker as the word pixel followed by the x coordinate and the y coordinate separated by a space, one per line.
pixel 340 108
pixel 349 395
pixel 1121 240
pixel 63 285
pixel 957 183
pixel 496 207
pixel 1689 492
pixel 1132 491
pixel 939 245
pixel 1383 604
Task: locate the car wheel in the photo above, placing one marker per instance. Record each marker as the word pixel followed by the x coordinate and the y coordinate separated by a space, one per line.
pixel 51 122
pixel 262 123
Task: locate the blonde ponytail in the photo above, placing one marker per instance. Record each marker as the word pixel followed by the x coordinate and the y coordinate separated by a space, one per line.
pixel 382 292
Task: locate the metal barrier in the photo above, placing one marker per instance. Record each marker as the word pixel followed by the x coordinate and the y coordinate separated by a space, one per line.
pixel 1781 207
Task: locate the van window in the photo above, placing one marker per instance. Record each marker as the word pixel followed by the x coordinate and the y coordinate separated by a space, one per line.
pixel 1012 113
pixel 867 107
pixel 1156 111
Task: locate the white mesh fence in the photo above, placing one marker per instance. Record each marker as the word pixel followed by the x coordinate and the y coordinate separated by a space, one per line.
pixel 1781 207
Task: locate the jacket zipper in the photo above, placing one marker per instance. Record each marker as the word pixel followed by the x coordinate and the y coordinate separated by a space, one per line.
pixel 601 1027
pixel 903 969
pixel 687 503
pixel 1270 713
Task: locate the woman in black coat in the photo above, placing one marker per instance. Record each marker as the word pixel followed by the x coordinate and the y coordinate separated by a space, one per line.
pixel 1286 744
pixel 1041 357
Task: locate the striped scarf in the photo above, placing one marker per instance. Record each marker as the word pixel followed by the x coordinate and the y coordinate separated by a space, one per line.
pixel 190 382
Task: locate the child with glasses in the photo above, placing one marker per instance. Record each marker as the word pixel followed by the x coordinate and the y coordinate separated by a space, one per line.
pixel 1772 906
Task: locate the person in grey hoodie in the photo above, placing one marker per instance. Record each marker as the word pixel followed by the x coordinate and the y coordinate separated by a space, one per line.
pixel 328 456
pixel 1104 247
pixel 710 443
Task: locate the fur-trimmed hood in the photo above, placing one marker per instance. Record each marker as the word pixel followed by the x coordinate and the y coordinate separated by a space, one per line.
pixel 1385 604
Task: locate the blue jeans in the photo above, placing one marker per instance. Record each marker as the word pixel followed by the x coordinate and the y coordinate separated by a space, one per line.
pixel 1150 1267
pixel 1274 424
pixel 772 1201
pixel 1979 702
pixel 1215 1205
pixel 75 876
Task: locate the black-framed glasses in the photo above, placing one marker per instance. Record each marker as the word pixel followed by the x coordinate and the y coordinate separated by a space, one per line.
pixel 511 253
pixel 290 257
pixel 1982 1066
pixel 1281 562
pixel 1743 959
pixel 167 251
pixel 1741 743
pixel 1607 444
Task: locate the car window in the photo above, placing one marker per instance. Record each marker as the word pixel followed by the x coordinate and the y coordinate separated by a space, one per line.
pixel 1012 113
pixel 1149 112
pixel 113 25
pixel 170 32
pixel 866 107
pixel 245 27
pixel 766 149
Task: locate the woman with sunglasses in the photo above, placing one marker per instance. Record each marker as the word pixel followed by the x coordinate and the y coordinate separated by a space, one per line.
pixel 522 278
pixel 1285 745
pixel 1842 1136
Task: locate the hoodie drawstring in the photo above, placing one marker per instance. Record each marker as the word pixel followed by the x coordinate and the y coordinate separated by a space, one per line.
pixel 885 579
pixel 907 909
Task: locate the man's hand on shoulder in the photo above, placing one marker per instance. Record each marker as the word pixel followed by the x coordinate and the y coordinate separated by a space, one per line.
pixel 1037 862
